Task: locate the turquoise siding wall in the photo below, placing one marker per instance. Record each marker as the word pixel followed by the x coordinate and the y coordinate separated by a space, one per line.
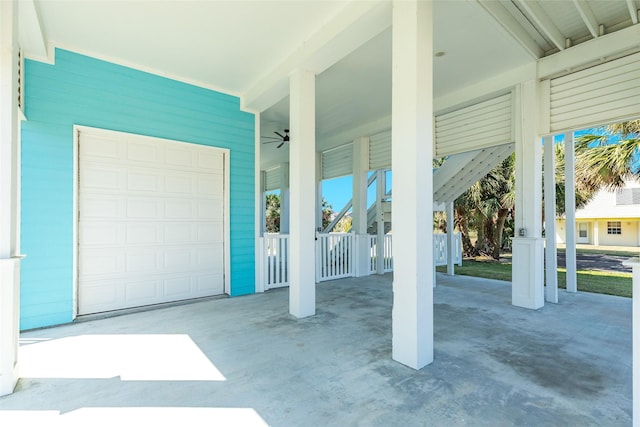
pixel 79 90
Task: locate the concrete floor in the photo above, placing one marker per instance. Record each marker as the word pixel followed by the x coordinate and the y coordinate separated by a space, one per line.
pixel 567 364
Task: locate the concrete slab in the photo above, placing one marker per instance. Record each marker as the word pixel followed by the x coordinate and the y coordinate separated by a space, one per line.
pixel 246 361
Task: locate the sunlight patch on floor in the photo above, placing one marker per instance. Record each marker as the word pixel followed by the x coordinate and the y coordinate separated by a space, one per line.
pixel 131 357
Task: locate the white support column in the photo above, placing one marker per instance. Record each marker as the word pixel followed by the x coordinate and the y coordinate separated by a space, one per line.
pixel 302 288
pixel 551 250
pixel 261 212
pixel 381 186
pixel 596 233
pixel 634 263
pixel 451 240
pixel 284 198
pixel 319 226
pixel 359 205
pixel 412 152
pixel 570 211
pixel 527 281
pixel 9 196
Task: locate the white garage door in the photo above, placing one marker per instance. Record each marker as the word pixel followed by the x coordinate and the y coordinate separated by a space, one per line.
pixel 150 221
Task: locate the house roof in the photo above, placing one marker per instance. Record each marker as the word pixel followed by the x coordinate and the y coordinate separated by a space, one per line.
pixel 249 48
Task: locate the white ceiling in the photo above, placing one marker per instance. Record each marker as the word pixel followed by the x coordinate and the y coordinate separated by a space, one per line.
pixel 247 48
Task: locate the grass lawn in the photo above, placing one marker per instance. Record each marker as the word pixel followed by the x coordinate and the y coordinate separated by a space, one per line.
pixel 611 283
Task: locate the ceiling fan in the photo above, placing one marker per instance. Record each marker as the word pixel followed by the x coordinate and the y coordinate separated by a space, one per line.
pixel 282 139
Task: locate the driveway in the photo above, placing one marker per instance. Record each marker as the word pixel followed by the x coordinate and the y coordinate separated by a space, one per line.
pixel 601 262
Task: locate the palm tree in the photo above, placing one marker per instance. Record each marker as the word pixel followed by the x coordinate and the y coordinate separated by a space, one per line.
pixel 609 157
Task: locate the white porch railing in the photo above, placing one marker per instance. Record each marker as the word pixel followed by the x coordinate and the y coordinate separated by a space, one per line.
pixel 440 249
pixel 387 263
pixel 334 256
pixel 276 256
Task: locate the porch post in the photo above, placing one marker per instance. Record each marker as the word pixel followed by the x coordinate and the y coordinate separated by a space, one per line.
pixel 359 205
pixel 412 153
pixel 284 198
pixel 596 233
pixel 527 282
pixel 302 288
pixel 319 226
pixel 634 263
pixel 9 198
pixel 381 186
pixel 451 241
pixel 551 250
pixel 570 211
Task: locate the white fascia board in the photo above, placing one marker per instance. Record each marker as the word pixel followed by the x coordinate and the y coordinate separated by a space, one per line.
pixel 486 89
pixel 338 139
pixel 591 52
pixel 354 25
pixel 31 36
pixel 512 27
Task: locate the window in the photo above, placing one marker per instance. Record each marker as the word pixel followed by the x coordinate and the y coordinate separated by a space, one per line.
pixel 582 230
pixel 614 227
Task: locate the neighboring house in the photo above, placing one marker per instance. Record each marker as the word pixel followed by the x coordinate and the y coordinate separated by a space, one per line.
pixel 612 218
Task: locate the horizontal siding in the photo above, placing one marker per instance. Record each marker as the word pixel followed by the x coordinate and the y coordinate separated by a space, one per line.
pixel 272 181
pixel 485 124
pixel 337 162
pixel 602 94
pixel 380 151
pixel 78 90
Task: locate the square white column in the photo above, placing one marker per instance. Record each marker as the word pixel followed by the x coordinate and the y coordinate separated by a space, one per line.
pixel 302 208
pixel 359 205
pixel 551 251
pixel 284 198
pixel 527 279
pixel 9 198
pixel 451 240
pixel 381 188
pixel 412 153
pixel 570 212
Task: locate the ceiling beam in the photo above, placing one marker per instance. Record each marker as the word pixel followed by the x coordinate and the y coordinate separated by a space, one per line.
pixel 543 23
pixel 512 27
pixel 354 25
pixel 591 52
pixel 588 17
pixel 633 11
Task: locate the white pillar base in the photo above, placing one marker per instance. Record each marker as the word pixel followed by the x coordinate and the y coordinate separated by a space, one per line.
pixel 527 281
pixel 634 263
pixel 362 255
pixel 9 323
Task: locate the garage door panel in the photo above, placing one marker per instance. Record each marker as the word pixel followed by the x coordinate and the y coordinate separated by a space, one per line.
pixel 96 294
pixel 179 287
pixel 180 157
pixel 209 232
pixel 142 292
pixel 100 233
pixel 209 185
pixel 179 208
pixel 144 181
pixel 98 262
pixel 143 233
pixel 142 260
pixel 180 183
pixel 101 207
pixel 210 160
pixel 206 258
pixel 209 283
pixel 149 209
pixel 178 232
pixel 177 260
pixel 101 147
pixel 144 152
pixel 103 178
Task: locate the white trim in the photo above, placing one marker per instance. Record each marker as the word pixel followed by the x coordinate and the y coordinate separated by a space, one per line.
pixel 226 205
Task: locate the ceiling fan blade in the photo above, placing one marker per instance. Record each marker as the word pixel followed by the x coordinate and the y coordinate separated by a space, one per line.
pixel 280 145
pixel 279 134
pixel 271 138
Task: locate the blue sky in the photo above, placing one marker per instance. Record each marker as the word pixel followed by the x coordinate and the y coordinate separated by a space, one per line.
pixel 338 191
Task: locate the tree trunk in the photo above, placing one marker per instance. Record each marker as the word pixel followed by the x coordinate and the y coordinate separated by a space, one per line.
pixel 502 216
